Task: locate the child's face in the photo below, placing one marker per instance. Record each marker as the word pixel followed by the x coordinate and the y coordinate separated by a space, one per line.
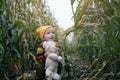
pixel 49 34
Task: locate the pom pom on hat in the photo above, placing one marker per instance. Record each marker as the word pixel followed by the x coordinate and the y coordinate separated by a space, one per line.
pixel 41 31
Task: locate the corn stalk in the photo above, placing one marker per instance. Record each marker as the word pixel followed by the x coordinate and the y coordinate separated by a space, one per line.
pixel 98 34
pixel 18 42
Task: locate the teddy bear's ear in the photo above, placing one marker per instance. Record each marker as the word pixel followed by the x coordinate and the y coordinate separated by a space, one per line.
pixel 44 44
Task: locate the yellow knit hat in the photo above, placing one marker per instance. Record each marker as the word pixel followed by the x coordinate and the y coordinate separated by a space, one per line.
pixel 41 31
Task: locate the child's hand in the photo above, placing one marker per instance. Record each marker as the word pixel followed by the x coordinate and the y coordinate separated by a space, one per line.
pixel 46 54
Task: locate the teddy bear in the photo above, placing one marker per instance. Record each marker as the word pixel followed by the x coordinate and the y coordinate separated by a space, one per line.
pixel 52 60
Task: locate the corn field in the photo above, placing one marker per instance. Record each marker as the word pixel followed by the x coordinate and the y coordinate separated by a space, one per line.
pixel 93 53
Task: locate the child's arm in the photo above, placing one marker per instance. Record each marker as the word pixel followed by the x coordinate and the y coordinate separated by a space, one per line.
pixel 59 48
pixel 40 54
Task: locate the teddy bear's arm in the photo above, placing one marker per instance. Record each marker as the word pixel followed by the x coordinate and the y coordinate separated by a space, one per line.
pixel 53 56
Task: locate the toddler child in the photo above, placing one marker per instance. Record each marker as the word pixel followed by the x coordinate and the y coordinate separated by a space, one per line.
pixel 46 33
